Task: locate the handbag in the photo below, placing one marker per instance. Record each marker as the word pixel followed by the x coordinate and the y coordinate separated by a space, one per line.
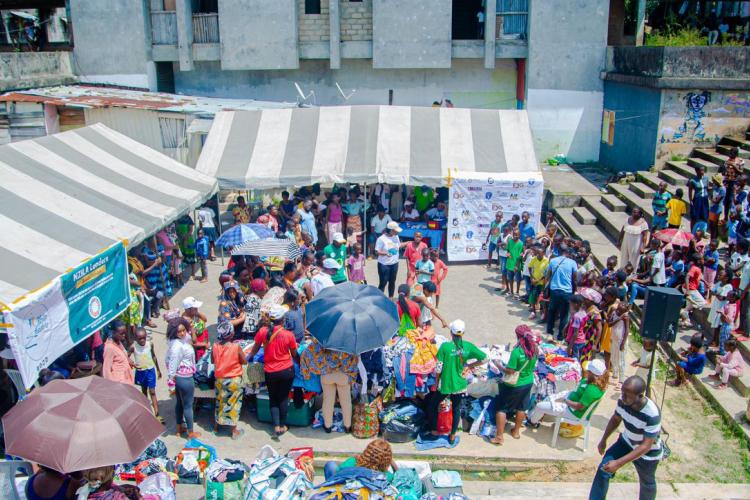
pixel 365 420
pixel 512 379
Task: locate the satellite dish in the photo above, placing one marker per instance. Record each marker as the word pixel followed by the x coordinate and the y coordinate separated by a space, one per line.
pixel 346 97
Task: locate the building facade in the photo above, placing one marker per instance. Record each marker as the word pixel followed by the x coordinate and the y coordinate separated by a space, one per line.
pixel 541 55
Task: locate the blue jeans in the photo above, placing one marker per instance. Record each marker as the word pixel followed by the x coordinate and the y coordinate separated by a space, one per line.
pixel 577 348
pixel 558 305
pixel 646 470
pixel 636 289
pixel 329 469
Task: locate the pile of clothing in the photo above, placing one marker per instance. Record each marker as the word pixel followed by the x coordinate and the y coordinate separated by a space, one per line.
pixel 410 362
pixel 401 421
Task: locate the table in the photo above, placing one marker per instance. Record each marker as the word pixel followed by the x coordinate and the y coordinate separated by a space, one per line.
pixel 434 236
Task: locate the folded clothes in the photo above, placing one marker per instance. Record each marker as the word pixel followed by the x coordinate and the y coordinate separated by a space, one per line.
pixel 430 442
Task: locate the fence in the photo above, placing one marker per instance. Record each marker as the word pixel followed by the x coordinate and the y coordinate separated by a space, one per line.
pixel 206 28
pixel 164 28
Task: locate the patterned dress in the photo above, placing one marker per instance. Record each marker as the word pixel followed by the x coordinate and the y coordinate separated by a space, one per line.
pixel 594 316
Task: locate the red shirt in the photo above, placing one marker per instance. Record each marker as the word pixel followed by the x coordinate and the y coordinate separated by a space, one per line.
pixel 412 254
pixel 694 277
pixel 414 310
pixel 276 356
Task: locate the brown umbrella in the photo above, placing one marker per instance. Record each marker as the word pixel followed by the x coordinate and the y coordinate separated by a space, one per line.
pixel 72 425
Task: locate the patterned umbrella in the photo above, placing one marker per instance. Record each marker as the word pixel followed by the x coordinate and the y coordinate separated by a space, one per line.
pixel 674 236
pixel 72 425
pixel 270 247
pixel 241 233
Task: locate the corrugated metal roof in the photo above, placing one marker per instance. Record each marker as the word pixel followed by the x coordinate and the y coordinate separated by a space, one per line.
pixel 102 97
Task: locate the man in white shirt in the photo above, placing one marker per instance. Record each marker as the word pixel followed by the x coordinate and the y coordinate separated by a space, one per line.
pixel 378 225
pixel 658 267
pixel 436 213
pixel 323 279
pixel 206 218
pixel 409 213
pixel 386 248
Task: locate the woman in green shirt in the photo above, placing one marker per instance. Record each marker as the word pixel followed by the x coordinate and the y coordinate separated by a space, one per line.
pixel 377 456
pixel 515 397
pixel 452 368
pixel 573 404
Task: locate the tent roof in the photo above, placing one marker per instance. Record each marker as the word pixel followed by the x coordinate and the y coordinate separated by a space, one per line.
pixel 66 197
pixel 274 148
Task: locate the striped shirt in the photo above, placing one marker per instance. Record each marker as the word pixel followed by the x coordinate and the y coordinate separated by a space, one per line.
pixel 641 424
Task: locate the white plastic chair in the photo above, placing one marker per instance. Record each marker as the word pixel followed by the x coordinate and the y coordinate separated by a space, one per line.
pixel 15 377
pixel 585 421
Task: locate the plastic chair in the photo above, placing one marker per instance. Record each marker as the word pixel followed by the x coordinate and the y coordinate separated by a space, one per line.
pixel 15 377
pixel 8 471
pixel 585 421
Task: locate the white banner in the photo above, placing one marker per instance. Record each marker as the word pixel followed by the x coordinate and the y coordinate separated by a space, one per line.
pixel 474 200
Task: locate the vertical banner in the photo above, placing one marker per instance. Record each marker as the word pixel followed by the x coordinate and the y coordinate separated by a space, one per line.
pixel 474 200
pixel 49 322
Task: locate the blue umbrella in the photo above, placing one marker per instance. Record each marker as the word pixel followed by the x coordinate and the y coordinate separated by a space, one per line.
pixel 352 318
pixel 241 233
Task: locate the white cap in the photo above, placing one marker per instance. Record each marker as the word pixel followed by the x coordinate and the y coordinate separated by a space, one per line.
pixel 458 327
pixel 338 237
pixel 393 226
pixel 408 203
pixel 331 264
pixel 597 367
pixel 190 302
pixel 277 311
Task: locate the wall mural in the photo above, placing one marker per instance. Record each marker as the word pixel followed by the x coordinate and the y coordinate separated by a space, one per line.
pixel 699 119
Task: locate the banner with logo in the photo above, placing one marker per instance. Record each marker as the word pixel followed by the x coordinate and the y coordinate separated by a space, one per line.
pixel 474 200
pixel 49 322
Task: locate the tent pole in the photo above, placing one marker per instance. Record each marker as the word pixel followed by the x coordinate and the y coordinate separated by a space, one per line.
pixel 218 221
pixel 364 226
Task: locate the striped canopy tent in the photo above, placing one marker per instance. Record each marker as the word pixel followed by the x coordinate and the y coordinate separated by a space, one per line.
pixel 274 148
pixel 68 196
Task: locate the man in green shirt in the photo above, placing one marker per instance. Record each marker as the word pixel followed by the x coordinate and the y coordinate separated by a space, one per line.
pixel 336 250
pixel 573 405
pixel 453 366
pixel 513 264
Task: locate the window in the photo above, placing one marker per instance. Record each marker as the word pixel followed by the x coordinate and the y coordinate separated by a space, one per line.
pixel 312 6
pixel 173 132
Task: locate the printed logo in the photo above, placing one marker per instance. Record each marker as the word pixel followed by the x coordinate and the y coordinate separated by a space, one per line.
pixel 488 195
pixel 469 235
pixel 490 181
pixel 95 307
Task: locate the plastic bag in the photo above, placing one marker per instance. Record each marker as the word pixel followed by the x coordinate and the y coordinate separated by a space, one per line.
pixel 158 484
pixel 408 484
pixel 232 490
pixel 445 417
pixel 204 370
pixel 276 478
pixel 365 420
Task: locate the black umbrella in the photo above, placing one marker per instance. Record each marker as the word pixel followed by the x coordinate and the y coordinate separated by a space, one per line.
pixel 352 318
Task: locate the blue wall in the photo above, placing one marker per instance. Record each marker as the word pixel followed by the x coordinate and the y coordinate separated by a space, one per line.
pixel 636 126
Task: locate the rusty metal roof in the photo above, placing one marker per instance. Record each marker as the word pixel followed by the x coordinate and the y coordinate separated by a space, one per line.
pixel 84 96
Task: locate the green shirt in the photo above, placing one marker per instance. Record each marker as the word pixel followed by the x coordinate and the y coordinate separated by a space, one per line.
pixel 339 255
pixel 454 360
pixel 518 361
pixel 352 462
pixel 515 249
pixel 423 198
pixel 495 236
pixel 586 394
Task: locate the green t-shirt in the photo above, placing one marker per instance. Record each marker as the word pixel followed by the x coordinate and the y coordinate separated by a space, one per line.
pixel 586 394
pixel 518 361
pixel 454 360
pixel 423 198
pixel 352 462
pixel 515 249
pixel 339 255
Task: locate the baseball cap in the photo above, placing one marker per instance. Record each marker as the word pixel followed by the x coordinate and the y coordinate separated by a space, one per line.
pixel 597 367
pixel 277 312
pixel 339 238
pixel 458 327
pixel 393 226
pixel 331 264
pixel 190 302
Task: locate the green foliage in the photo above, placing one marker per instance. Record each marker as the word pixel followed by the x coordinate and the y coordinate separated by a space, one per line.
pixel 681 37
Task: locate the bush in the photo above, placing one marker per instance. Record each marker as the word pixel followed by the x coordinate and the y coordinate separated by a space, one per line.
pixel 684 37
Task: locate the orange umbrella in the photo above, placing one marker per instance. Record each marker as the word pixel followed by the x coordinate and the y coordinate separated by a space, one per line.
pixel 72 425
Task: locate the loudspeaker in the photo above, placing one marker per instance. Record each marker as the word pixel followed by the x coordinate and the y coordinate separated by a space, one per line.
pixel 661 312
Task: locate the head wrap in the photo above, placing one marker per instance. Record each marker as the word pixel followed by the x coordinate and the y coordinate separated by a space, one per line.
pixel 590 294
pixel 258 285
pixel 232 284
pixel 224 331
pixel 528 340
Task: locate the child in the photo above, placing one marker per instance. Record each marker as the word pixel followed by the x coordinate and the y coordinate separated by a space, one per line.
pixel 620 323
pixel 721 289
pixel 676 271
pixel 711 265
pixel 576 337
pixel 352 237
pixel 202 252
pixel 732 224
pixel 611 266
pixel 621 278
pixel 502 253
pixel 146 367
pixel 355 265
pixel 528 254
pixel 425 268
pixel 514 246
pixel 729 364
pixel 728 314
pixel 647 349
pixel 441 271
pixel 692 361
pixel 176 269
pixel 537 271
pixel 677 208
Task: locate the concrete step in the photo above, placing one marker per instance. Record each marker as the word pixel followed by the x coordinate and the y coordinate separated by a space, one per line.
pixel 613 203
pixel 724 149
pixel 631 199
pixel 673 178
pixel 681 167
pixel 651 179
pixel 741 383
pixel 736 141
pixel 601 245
pixel 611 222
pixel 583 216
pixel 711 155
pixel 709 166
pixel 642 190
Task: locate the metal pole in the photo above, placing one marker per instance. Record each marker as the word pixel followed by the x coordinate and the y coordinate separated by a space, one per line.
pixel 364 225
pixel 218 221
pixel 651 371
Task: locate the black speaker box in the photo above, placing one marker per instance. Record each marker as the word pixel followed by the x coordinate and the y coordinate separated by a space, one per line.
pixel 661 313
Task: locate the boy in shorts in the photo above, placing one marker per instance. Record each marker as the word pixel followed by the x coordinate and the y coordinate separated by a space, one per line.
pixel 146 367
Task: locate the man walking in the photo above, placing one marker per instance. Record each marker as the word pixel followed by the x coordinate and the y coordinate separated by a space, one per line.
pixel 639 441
pixel 561 274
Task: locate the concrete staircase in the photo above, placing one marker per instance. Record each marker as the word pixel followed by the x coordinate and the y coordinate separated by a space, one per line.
pixel 598 219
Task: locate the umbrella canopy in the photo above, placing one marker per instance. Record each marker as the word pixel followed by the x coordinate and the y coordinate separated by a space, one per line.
pixel 72 425
pixel 271 247
pixel 352 318
pixel 241 233
pixel 674 236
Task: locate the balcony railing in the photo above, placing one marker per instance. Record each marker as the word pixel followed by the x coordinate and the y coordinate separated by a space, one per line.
pixel 512 18
pixel 164 27
pixel 206 28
